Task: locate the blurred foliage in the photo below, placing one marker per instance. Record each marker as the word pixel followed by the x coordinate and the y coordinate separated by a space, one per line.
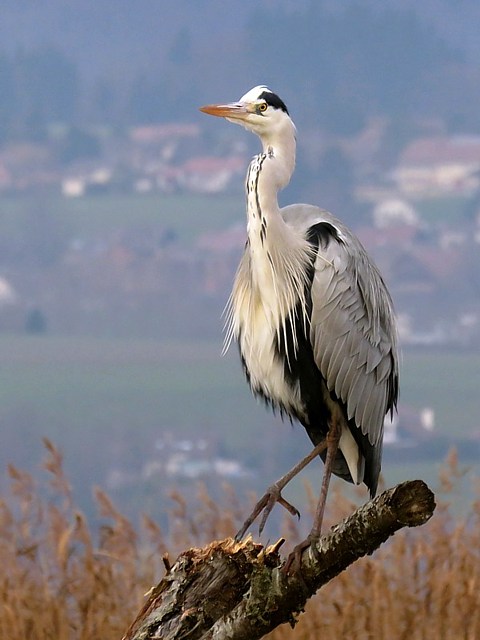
pixel 372 61
pixel 37 87
pixel 78 144
pixel 342 65
pixel 64 577
pixel 35 322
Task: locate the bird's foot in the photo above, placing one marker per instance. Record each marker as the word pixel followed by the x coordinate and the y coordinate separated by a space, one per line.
pixel 294 560
pixel 266 504
pixel 274 493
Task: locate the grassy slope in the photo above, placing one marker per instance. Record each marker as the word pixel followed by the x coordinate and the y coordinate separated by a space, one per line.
pixel 450 383
pixel 139 386
pixel 188 215
pixel 86 385
pixel 74 389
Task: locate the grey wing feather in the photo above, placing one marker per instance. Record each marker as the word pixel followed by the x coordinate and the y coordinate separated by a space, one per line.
pixel 353 332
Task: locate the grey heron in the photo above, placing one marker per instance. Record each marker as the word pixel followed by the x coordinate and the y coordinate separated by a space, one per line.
pixel 312 316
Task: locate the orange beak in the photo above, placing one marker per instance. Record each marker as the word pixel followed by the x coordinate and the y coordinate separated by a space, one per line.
pixel 231 110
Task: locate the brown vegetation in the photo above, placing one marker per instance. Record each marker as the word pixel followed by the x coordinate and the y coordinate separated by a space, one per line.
pixel 61 580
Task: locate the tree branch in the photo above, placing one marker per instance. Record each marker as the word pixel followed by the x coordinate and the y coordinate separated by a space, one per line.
pixel 237 591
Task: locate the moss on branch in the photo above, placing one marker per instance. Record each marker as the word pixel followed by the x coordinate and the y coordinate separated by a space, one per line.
pixel 238 591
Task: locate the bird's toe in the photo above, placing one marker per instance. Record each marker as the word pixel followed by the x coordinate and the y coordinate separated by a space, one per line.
pixel 293 563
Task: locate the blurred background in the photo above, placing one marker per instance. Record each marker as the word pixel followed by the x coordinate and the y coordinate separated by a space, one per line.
pixel 122 222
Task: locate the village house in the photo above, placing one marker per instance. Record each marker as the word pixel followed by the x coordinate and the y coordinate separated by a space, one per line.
pixel 438 166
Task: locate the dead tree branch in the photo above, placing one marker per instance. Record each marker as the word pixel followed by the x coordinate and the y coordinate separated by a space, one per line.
pixel 237 591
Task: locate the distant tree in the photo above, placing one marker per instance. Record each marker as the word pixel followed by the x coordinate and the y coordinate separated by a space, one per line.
pixel 35 126
pixel 37 87
pixel 104 101
pixel 343 118
pixel 8 96
pixel 35 322
pixel 79 144
pixel 50 83
pixel 465 122
pixel 399 131
pixel 170 98
pixel 327 181
pixel 471 211
pixel 380 59
pixel 180 52
pixel 335 182
pixel 148 101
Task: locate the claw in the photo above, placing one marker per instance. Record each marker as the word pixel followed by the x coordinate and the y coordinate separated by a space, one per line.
pixel 266 504
pixel 289 507
pixel 271 503
pixel 294 560
pixel 273 494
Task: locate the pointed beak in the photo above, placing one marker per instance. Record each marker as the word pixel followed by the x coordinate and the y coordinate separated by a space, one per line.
pixel 232 110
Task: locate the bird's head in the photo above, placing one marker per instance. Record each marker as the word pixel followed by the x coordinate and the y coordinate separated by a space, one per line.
pixel 259 110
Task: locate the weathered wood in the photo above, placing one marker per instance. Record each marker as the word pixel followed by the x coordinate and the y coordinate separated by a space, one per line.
pixel 238 591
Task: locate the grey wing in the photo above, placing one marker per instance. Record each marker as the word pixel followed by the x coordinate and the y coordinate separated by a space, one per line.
pixel 353 332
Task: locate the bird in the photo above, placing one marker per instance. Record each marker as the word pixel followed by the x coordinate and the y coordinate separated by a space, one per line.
pixel 312 316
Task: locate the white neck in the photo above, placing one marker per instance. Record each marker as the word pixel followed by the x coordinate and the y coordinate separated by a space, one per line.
pixel 272 276
pixel 268 173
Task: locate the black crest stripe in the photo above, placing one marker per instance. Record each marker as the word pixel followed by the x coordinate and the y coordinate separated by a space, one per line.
pixel 273 100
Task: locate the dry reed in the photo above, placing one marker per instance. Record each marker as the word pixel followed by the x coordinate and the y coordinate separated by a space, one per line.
pixel 61 581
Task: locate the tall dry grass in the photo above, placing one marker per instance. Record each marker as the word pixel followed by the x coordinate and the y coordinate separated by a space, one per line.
pixel 60 580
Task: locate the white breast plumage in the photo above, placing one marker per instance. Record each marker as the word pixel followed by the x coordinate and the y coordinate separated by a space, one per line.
pixel 268 289
pixel 254 316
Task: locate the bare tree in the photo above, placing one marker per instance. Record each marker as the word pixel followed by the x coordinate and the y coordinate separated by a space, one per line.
pixel 240 591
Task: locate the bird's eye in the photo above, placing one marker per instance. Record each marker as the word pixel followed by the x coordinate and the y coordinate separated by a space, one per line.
pixel 263 106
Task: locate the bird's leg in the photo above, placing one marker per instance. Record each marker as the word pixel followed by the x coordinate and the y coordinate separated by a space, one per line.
pixel 332 440
pixel 273 494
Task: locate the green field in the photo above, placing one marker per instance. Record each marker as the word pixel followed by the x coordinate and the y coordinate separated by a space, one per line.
pixel 89 394
pixel 448 382
pixel 80 390
pixel 189 215
pixel 189 383
pixel 85 385
pixel 89 216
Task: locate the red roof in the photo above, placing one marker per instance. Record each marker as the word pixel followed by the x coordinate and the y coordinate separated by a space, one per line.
pixel 441 150
pixel 159 132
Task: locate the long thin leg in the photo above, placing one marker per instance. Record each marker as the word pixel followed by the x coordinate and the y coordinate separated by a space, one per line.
pixel 333 438
pixel 273 494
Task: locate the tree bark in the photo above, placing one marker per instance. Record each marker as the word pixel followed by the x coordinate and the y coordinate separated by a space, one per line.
pixel 238 591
